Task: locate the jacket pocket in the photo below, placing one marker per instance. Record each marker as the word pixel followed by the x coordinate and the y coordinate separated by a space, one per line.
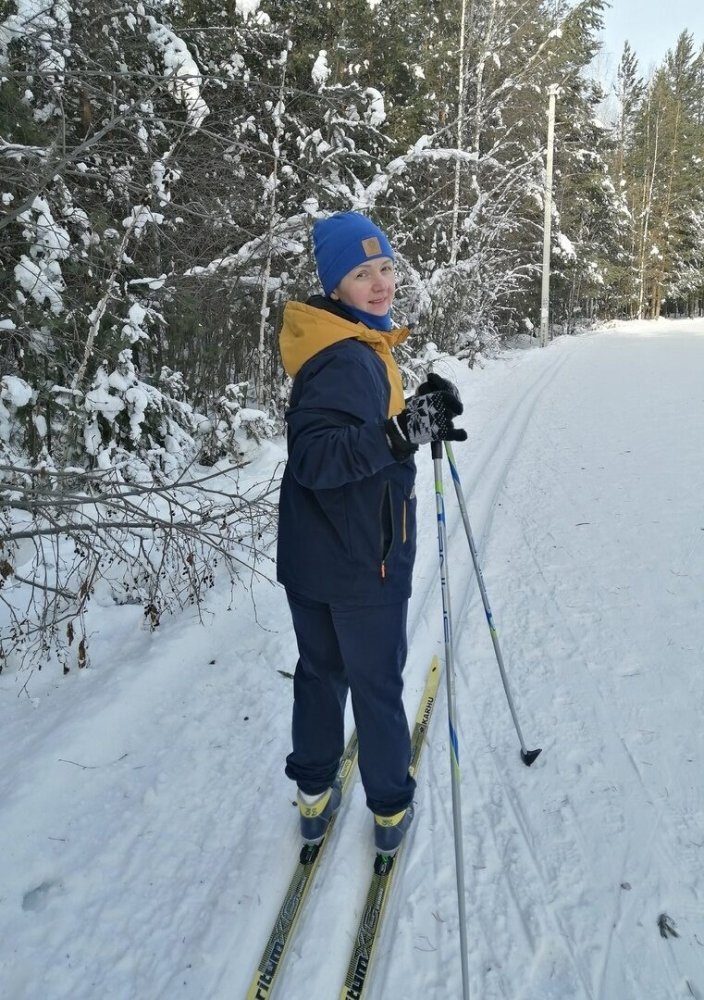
pixel 386 526
pixel 409 518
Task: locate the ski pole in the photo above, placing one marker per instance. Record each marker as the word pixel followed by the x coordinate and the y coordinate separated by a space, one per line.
pixel 436 448
pixel 527 756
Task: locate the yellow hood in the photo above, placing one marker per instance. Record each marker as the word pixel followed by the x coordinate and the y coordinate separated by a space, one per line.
pixel 308 330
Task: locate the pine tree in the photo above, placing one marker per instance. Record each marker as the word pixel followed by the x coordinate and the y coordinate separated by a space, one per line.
pixel 666 180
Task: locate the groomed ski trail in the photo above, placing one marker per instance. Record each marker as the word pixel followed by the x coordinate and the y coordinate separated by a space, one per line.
pixel 149 831
pixel 536 853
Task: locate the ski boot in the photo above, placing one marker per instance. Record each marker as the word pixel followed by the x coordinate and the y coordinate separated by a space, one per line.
pixel 316 814
pixel 389 831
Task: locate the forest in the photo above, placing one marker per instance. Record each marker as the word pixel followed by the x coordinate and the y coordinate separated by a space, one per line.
pixel 161 167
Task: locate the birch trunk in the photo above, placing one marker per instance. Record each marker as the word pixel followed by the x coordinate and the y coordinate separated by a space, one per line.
pixel 264 308
pixel 647 210
pixel 662 271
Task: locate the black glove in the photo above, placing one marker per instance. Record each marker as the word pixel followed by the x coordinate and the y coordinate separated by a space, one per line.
pixel 428 417
pixel 436 383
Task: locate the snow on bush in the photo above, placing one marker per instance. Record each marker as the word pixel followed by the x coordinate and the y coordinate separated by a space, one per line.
pixel 15 394
pixel 137 427
pixel 39 273
pixel 136 519
pixel 236 429
pixel 183 70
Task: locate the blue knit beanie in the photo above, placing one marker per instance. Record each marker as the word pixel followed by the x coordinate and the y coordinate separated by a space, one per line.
pixel 343 242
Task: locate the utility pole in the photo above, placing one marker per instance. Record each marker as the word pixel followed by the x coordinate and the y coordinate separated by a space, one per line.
pixel 547 224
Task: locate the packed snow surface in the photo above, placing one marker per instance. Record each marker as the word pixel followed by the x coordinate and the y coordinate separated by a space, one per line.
pixel 148 830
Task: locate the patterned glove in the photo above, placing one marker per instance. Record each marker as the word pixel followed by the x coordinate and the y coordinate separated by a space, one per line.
pixel 428 417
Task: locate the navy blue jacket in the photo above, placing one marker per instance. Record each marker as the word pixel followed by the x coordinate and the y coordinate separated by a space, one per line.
pixel 347 525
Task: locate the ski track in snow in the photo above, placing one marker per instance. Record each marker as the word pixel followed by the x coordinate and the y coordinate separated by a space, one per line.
pixel 618 934
pixel 149 831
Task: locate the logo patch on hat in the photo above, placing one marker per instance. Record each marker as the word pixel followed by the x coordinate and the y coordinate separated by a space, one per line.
pixel 371 246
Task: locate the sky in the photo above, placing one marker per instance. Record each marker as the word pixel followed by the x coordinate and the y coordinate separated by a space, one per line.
pixel 651 26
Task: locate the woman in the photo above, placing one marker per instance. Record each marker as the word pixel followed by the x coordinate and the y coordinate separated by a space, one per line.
pixel 347 525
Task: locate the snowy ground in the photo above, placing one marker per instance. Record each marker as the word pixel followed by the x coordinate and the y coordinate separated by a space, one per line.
pixel 148 830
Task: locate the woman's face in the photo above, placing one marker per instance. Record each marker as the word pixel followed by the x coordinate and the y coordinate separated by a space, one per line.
pixel 369 287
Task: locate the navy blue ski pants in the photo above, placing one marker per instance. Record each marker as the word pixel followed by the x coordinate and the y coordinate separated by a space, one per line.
pixel 361 650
